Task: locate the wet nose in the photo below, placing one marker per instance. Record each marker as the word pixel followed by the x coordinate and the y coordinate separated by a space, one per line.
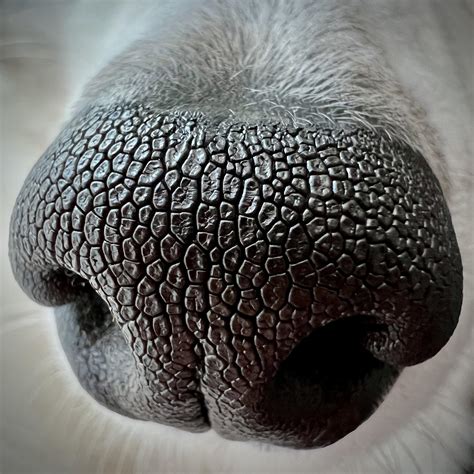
pixel 280 276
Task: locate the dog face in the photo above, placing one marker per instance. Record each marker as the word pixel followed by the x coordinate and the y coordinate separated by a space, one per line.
pixel 244 225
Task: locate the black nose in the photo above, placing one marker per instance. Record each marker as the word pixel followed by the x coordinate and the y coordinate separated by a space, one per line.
pixel 271 282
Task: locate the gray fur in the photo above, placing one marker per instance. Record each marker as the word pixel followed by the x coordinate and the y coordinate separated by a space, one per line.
pixel 255 60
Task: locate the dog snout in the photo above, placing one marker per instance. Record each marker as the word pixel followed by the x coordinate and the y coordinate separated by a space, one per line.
pixel 268 281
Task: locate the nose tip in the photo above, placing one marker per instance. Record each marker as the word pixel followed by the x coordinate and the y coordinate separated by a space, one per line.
pixel 286 275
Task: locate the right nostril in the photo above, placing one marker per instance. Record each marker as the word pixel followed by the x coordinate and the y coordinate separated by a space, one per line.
pixel 333 356
pixel 329 384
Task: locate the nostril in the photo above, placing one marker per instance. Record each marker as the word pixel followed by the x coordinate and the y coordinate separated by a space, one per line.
pixel 333 356
pixel 96 349
pixel 329 384
pixel 96 317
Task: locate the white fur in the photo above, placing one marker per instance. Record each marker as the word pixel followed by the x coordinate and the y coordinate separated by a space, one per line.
pixel 402 68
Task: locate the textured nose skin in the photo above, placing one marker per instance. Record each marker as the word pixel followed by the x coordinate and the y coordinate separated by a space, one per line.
pixel 246 264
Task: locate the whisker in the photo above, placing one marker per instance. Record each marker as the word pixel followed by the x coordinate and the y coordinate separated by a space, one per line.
pixel 101 425
pixel 381 460
pixel 448 448
pixel 422 429
pixel 388 461
pixel 125 449
pixel 81 430
pixel 410 454
pixel 104 460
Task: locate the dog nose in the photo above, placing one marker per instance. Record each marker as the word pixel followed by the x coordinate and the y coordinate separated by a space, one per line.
pixel 281 276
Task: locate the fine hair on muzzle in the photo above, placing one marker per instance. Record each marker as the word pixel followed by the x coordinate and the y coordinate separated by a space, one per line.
pixel 267 281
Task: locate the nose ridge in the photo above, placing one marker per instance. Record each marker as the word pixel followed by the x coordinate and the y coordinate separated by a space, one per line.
pixel 252 239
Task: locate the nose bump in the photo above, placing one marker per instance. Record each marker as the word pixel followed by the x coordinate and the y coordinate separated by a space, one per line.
pixel 252 264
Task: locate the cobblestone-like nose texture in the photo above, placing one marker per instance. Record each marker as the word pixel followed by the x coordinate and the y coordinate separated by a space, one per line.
pixel 221 250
